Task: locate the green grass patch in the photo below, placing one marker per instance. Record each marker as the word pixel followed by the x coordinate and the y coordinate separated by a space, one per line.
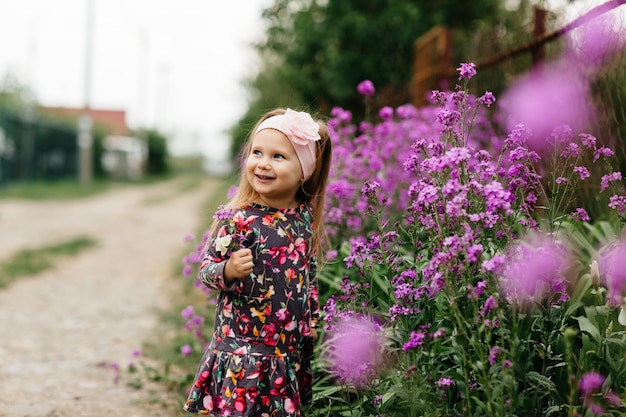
pixel 30 262
pixel 54 190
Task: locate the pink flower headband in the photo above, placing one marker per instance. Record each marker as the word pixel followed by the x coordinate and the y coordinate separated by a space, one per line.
pixel 302 131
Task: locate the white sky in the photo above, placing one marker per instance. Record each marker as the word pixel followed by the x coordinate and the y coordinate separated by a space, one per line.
pixel 171 64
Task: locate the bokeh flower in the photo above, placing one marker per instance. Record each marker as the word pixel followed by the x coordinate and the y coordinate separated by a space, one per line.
pixel 186 350
pixel 356 349
pixel 536 265
pixel 594 43
pixel 590 382
pixel 612 266
pixel 549 96
pixel 366 88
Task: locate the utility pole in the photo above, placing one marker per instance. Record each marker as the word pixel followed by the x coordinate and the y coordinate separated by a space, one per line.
pixel 85 123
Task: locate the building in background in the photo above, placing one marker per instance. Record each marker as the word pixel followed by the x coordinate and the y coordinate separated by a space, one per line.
pixel 124 156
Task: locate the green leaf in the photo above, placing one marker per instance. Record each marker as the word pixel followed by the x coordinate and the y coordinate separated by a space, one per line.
pixel 585 325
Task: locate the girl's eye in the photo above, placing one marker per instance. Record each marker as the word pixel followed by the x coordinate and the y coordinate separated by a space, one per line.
pixel 279 156
pixel 256 152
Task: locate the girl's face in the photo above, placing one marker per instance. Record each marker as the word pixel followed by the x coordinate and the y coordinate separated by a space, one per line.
pixel 273 169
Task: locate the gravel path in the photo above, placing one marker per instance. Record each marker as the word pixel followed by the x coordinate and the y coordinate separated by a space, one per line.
pixel 55 328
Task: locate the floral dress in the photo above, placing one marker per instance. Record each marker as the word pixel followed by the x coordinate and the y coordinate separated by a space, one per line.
pixel 258 361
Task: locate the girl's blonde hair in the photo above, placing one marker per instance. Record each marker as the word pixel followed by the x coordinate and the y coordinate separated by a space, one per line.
pixel 312 191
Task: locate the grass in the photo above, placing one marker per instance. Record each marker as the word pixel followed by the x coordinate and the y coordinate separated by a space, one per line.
pixel 55 190
pixel 30 262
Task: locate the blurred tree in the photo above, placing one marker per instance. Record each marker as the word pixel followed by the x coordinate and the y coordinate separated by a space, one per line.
pixel 15 97
pixel 157 163
pixel 317 51
pixel 323 49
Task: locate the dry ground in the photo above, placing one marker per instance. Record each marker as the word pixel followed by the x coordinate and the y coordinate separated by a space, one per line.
pixel 56 327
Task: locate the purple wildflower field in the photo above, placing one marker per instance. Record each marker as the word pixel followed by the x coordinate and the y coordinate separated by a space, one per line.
pixel 463 263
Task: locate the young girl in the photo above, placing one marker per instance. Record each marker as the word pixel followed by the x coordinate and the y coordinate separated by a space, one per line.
pixel 262 257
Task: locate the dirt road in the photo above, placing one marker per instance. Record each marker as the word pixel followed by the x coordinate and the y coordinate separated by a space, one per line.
pixel 55 328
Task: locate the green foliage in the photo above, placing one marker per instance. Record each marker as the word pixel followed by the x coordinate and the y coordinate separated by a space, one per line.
pixel 58 190
pixel 157 163
pixel 316 52
pixel 326 48
pixel 15 96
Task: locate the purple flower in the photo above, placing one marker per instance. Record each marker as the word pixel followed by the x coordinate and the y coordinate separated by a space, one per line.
pixel 115 366
pixel 223 212
pixel 607 179
pixel 590 382
pixel 594 43
pixel 439 333
pixel 582 172
pixel 494 264
pixel 386 113
pixel 588 140
pixel 186 350
pixel 356 363
pixel 612 271
pixel 487 99
pixel 416 339
pixel 490 304
pixel 366 88
pixel 572 150
pixel 232 190
pixel 494 352
pixel 438 97
pixel 580 215
pixel 602 152
pixel 533 264
pixel 369 189
pixel 543 99
pixel 466 71
pixel 445 382
pixel 618 203
pixel 187 312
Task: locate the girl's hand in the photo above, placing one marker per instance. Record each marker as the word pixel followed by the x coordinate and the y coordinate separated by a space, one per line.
pixel 314 334
pixel 239 265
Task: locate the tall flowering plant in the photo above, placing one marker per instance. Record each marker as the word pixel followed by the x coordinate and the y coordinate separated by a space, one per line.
pixel 475 283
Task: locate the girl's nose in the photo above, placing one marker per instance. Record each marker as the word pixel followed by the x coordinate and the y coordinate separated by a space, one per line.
pixel 264 164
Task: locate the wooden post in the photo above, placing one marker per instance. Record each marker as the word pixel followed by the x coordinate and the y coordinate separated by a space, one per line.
pixel 538 52
pixel 432 64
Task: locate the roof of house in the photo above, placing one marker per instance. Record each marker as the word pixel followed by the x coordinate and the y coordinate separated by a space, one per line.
pixel 113 121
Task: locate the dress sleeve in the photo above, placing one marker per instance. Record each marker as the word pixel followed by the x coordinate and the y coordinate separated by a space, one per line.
pixel 211 271
pixel 314 298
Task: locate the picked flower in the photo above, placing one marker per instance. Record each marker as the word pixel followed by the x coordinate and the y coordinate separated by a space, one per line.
pixel 222 244
pixel 233 233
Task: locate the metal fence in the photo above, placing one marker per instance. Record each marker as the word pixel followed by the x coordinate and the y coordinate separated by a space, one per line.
pixel 34 150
